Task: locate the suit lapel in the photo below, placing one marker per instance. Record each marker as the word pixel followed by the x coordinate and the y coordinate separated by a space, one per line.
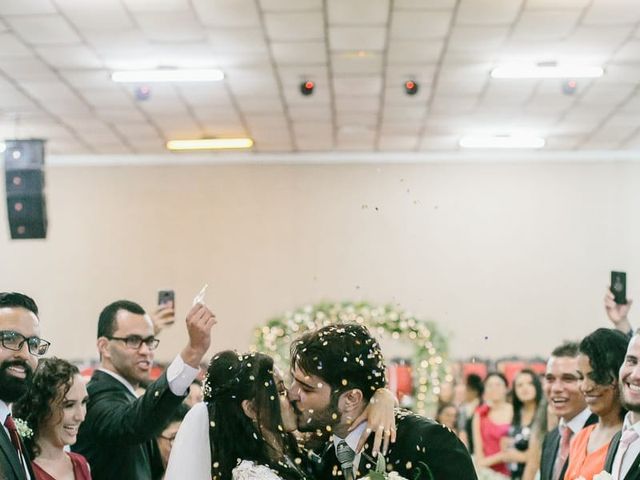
pixel 9 452
pixel 634 471
pixel 611 452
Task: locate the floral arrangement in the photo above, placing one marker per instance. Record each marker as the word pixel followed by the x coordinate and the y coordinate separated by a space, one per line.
pixel 428 346
pixel 380 473
pixel 23 428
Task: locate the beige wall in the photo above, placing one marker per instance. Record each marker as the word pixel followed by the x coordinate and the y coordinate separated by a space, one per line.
pixel 510 259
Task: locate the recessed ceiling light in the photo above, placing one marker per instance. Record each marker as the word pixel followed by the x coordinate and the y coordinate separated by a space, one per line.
pixel 167 75
pixel 546 70
pixel 209 144
pixel 502 141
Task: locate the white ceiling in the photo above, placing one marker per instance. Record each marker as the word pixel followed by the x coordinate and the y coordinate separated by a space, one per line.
pixel 56 57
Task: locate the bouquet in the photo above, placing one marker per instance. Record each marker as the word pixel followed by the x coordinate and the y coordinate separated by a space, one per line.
pixel 380 473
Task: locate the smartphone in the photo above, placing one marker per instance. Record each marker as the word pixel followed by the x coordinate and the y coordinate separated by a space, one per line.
pixel 167 297
pixel 619 287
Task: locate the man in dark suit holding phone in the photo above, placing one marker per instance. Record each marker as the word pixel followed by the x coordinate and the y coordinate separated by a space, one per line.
pixel 119 431
pixel 561 388
pixel 335 371
pixel 21 347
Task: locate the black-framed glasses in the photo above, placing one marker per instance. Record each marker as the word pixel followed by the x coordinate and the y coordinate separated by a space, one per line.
pixel 14 341
pixel 136 341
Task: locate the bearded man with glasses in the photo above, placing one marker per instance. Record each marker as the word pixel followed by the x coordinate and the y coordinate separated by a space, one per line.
pixel 20 347
pixel 119 431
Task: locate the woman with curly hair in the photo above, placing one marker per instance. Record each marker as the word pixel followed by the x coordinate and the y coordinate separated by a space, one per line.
pixel 601 356
pixel 53 408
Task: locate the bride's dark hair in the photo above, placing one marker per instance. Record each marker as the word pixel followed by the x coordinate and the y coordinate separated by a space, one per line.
pixel 232 378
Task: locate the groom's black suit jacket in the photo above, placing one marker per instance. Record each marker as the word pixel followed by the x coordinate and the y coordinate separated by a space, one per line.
pixel 10 466
pixel 634 472
pixel 422 446
pixel 118 436
pixel 550 446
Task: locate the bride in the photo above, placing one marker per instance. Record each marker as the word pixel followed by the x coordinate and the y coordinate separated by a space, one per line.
pixel 243 429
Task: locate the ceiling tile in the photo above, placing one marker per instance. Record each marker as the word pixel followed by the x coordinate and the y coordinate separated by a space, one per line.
pixel 43 29
pixel 227 13
pixel 411 52
pixel 410 25
pixel 488 12
pixel 96 15
pixel 294 26
pixel 31 7
pixel 141 6
pixel 105 98
pixel 459 104
pixel 352 103
pixel 237 40
pixel 554 4
pixel 439 142
pixel 391 142
pixel 69 57
pixel 358 12
pixel 424 4
pixel 170 27
pixel 546 24
pixel 350 64
pixel 357 38
pixel 299 53
pixel 357 86
pixel 289 6
pixel 414 113
pixel 11 46
pixel 28 69
pixel 612 12
pixel 475 39
pixel 301 114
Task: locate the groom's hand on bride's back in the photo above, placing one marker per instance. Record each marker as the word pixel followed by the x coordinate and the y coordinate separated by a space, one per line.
pixel 199 322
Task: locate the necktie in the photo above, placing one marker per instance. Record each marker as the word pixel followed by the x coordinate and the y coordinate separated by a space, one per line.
pixel 563 452
pixel 628 437
pixel 13 434
pixel 345 456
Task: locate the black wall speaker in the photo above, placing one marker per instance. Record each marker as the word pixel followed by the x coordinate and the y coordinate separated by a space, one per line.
pixel 24 179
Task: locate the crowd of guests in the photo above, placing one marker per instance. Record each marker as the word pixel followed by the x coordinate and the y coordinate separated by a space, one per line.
pixel 580 422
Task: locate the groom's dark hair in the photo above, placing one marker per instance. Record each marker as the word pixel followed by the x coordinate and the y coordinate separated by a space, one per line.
pixel 345 356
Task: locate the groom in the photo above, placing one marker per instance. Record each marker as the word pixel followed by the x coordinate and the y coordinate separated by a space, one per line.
pixel 335 372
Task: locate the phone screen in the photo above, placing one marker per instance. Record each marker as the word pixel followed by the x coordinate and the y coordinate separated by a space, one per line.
pixel 167 297
pixel 619 287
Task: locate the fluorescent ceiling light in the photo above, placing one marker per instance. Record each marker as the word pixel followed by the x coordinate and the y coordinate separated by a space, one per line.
pixel 545 70
pixel 501 141
pixel 209 144
pixel 167 75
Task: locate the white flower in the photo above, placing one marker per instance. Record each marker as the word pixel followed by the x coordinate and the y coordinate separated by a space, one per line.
pixel 603 476
pixel 23 428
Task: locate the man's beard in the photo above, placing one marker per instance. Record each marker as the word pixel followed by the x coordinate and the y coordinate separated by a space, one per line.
pixel 319 420
pixel 12 387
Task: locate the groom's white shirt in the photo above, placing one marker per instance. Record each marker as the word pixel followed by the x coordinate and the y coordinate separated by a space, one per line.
pixel 352 440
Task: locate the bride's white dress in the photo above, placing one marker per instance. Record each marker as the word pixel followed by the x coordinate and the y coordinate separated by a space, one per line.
pixel 191 455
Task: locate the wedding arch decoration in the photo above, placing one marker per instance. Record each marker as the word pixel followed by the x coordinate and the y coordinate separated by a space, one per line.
pixel 426 345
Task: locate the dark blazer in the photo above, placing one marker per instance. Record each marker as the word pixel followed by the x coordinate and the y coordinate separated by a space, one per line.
pixel 119 431
pixel 550 446
pixel 634 472
pixel 10 466
pixel 424 450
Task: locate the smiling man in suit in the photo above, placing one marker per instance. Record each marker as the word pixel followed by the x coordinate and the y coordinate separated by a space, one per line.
pixel 336 370
pixel 561 388
pixel 623 456
pixel 20 347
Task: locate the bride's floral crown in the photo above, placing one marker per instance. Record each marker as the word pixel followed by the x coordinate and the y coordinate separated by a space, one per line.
pixel 235 376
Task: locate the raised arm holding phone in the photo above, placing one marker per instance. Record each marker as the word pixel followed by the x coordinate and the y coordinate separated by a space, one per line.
pixel 118 435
